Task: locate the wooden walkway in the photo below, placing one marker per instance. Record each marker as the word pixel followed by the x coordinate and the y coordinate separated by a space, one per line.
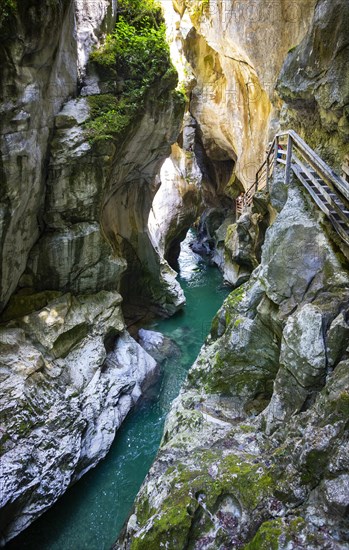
pixel 329 191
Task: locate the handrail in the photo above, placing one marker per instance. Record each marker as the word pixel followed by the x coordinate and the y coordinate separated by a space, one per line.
pixel 317 177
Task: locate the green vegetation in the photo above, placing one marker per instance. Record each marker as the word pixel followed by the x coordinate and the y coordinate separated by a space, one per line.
pixel 7 8
pixel 109 115
pixel 136 55
pixel 247 481
pixel 199 9
pixel 267 537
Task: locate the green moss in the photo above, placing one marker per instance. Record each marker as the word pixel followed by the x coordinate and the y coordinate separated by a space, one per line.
pixel 235 298
pixel 7 9
pixel 246 429
pixel 250 481
pixel 267 536
pixel 228 311
pixel 231 230
pixel 109 116
pixel 340 407
pixel 172 527
pixel 181 94
pixel 246 481
pixel 136 56
pixel 293 531
pixel 199 9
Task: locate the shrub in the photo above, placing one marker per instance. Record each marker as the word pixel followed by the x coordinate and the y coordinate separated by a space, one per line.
pixel 7 8
pixel 139 54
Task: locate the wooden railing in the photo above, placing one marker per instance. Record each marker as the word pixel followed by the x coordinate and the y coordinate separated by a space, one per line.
pixel 329 191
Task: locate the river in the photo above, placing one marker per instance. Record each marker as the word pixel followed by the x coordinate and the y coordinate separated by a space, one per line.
pixel 91 513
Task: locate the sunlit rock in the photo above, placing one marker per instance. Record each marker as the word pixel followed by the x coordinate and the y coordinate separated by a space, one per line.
pixel 66 387
pixel 178 202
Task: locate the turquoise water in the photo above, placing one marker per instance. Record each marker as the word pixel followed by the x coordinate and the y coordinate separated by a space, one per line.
pixel 91 514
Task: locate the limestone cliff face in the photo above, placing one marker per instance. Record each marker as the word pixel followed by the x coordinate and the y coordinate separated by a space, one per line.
pixel 38 72
pixel 235 51
pixel 254 449
pixel 253 69
pixel 314 83
pixel 73 230
pixel 128 199
pixel 74 187
pixel 177 204
pixel 70 374
pixel 254 452
pixel 42 53
pixel 228 56
pixel 96 210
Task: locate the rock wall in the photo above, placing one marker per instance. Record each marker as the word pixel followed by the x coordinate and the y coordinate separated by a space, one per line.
pixel 254 448
pixel 42 54
pixel 235 51
pixel 128 199
pixel 70 373
pixel 314 83
pixel 251 70
pixel 38 73
pixel 74 233
pixel 228 56
pixel 179 200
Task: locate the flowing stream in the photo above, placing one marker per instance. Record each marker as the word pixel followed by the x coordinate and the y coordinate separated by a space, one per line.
pixel 91 513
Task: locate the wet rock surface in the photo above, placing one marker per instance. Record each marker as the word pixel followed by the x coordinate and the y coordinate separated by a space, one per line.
pixel 314 83
pixel 66 387
pixel 253 452
pixel 158 346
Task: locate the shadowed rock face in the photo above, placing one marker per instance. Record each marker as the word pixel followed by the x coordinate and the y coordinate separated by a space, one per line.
pixel 128 199
pixel 253 452
pixel 38 73
pixel 314 83
pixel 42 52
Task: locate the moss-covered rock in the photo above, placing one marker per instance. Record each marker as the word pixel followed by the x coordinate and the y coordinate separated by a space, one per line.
pixel 316 106
pixel 254 453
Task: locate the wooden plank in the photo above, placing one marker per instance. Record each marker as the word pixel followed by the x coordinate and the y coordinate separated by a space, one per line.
pixel 323 191
pixel 297 171
pixel 339 229
pixel 320 165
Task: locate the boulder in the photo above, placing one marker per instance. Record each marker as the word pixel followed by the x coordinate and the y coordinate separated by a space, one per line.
pixel 160 347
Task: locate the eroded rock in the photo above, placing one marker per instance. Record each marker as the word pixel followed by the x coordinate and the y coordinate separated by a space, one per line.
pixel 65 391
pixel 254 448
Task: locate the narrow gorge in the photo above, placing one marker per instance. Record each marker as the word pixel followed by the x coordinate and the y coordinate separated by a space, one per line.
pixel 137 136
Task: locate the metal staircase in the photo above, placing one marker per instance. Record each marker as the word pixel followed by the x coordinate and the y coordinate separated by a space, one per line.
pixel 329 191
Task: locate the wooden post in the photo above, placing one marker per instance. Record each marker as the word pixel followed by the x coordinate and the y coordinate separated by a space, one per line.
pixel 288 160
pixel 267 173
pixel 276 151
pixel 256 182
